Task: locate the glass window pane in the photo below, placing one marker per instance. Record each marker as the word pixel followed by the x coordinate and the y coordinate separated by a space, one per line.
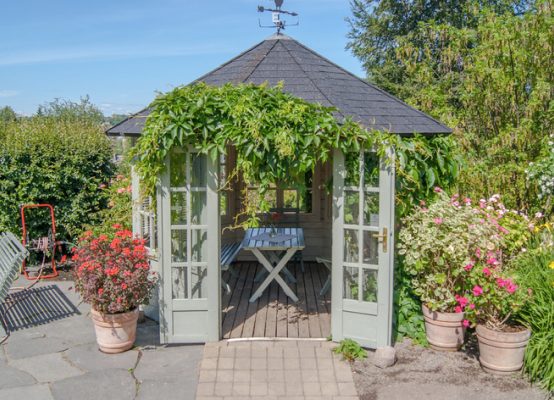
pixel 198 212
pixel 199 239
pixel 351 207
pixel 371 248
pixel 199 170
pixel 178 208
pixel 371 169
pixel 198 282
pixel 352 165
pixel 369 282
pixel 177 169
pixel 350 283
pixel 371 209
pixel 178 245
pixel 179 282
pixel 351 245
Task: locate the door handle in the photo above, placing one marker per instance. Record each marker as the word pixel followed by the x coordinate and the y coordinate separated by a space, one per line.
pixel 383 239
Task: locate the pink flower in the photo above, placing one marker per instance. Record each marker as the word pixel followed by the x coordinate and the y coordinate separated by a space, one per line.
pixel 500 282
pixel 478 252
pixel 462 301
pixel 486 271
pixel 465 323
pixel 469 266
pixel 467 201
pixel 456 204
pixel 438 221
pixel 437 189
pixel 511 288
pixel 458 309
pixel 472 306
pixel 121 190
pixel 482 203
pixel 477 290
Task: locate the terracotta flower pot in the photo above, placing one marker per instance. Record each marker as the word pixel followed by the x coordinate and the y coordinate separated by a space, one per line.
pixel 445 331
pixel 115 333
pixel 501 352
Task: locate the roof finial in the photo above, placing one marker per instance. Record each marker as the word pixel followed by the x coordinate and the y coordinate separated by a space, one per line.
pixel 276 16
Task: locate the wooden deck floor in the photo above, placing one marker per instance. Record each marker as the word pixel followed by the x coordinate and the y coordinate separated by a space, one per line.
pixel 274 314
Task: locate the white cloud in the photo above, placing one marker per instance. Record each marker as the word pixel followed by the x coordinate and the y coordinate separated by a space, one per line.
pixel 8 93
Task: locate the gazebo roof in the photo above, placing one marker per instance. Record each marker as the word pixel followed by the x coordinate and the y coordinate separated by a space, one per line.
pixel 312 77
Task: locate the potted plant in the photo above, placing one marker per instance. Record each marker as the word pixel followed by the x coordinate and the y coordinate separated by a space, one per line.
pixel 437 243
pixel 495 298
pixel 112 273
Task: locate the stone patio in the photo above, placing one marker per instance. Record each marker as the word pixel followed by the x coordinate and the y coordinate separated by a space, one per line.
pixel 286 369
pixel 57 358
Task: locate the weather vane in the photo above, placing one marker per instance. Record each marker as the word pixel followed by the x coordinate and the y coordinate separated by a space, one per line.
pixel 276 14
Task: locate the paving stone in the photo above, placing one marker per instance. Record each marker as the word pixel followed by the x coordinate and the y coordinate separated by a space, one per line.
pixel 347 389
pixel 311 388
pixel 209 363
pixel 294 389
pixel 225 375
pixel 242 376
pixel 258 389
pixel 308 363
pixel 275 363
pixel 275 352
pixel 47 367
pixel 12 377
pixel 23 347
pixel 89 358
pixel 259 364
pixel 276 389
pixel 34 392
pixel 207 375
pixel 243 363
pixel 106 385
pixel 241 389
pixel 148 334
pixel 306 352
pixel 259 376
pixel 225 363
pixel 309 375
pixel 205 389
pixel 329 388
pixel 155 390
pixel 174 362
pixel 223 389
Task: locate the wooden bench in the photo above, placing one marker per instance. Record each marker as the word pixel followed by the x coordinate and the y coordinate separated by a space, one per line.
pixel 229 252
pixel 12 254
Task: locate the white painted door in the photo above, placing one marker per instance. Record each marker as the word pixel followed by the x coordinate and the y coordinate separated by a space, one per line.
pixel 189 230
pixel 363 257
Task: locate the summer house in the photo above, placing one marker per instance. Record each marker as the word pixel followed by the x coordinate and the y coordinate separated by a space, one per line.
pixel 328 257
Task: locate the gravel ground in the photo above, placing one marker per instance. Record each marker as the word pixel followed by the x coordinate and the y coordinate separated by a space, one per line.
pixel 422 373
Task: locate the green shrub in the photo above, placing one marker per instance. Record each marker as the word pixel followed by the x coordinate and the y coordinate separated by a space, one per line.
pixel 350 350
pixel 55 160
pixel 536 271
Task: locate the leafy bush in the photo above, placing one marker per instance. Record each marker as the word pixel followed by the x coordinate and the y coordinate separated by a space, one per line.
pixel 53 160
pixel 440 242
pixel 112 272
pixel 535 269
pixel 350 350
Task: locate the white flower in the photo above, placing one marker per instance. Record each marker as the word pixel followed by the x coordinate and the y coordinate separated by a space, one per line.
pixel 538 215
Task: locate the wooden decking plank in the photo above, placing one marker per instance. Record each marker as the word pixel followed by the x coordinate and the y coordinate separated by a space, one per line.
pixel 234 302
pixel 282 320
pixel 251 311
pixel 303 326
pixel 261 314
pixel 324 315
pixel 271 321
pixel 313 321
pixel 242 308
pixel 292 309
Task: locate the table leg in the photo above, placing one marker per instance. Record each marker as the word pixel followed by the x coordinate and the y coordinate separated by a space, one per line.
pixel 273 274
pixel 275 260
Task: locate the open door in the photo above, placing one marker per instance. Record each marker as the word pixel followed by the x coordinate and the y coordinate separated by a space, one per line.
pixel 363 248
pixel 189 246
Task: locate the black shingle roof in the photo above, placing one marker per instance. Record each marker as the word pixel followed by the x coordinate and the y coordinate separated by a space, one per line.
pixel 310 76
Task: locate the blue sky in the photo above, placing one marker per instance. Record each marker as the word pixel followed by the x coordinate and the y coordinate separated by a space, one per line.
pixel 120 52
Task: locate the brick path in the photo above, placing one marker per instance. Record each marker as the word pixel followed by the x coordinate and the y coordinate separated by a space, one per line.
pixel 271 370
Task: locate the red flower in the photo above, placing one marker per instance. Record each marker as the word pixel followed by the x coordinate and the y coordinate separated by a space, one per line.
pixel 123 286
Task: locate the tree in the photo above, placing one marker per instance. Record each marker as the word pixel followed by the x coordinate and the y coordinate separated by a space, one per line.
pixel 494 84
pixel 377 25
pixel 69 110
pixel 7 114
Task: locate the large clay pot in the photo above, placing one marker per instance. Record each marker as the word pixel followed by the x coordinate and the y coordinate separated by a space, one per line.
pixel 115 333
pixel 445 331
pixel 501 352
